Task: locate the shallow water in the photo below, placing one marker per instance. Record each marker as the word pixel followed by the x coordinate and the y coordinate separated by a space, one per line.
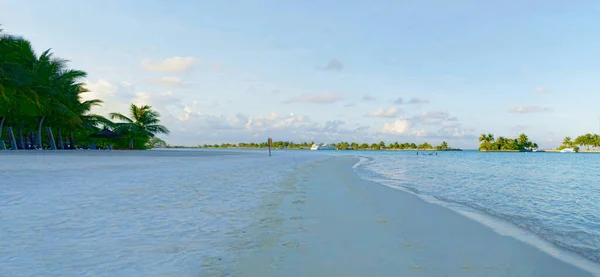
pixel 122 213
pixel 553 195
pixel 195 212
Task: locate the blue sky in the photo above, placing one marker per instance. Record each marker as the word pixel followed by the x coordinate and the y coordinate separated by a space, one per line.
pixel 231 71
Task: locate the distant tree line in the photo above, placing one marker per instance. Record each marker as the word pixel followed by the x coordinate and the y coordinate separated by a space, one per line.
pixel 520 143
pixel 340 146
pixel 587 141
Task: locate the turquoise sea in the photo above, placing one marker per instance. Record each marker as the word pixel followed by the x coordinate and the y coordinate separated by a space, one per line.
pixel 185 212
pixel 555 196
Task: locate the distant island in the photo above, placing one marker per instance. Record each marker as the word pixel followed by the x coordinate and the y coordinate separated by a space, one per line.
pixel 505 144
pixel 339 146
pixel 586 141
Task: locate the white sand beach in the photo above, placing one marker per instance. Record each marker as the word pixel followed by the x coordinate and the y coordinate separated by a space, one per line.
pixel 219 213
pixel 336 224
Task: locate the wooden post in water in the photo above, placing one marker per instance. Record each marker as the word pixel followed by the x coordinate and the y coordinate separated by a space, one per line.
pixel 270 142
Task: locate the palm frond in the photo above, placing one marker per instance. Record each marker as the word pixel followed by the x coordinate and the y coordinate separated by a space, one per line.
pixel 120 116
pixel 158 129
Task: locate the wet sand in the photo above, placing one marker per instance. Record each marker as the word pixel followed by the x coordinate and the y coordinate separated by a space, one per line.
pixel 332 223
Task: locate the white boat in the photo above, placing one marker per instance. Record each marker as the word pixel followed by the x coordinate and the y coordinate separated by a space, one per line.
pixel 567 150
pixel 322 147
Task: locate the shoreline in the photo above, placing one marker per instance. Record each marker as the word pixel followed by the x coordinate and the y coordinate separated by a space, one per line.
pixel 365 228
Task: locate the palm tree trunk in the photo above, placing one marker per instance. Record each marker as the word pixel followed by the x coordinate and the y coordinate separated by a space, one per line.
pixel 39 133
pixel 11 138
pixel 71 140
pixel 61 144
pixel 51 138
pixel 2 146
pixel 2 124
pixel 20 140
pixel 131 143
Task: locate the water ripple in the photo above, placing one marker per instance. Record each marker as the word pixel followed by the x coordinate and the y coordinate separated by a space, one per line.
pixel 152 213
pixel 555 196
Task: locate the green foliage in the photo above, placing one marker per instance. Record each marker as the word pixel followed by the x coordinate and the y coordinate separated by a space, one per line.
pixel 41 89
pixel 344 145
pixel 140 127
pixel 38 90
pixel 521 143
pixel 425 145
pixel 156 142
pixel 587 141
pixel 443 146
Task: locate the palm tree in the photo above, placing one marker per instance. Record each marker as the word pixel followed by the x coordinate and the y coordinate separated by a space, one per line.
pixel 424 145
pixel 83 122
pixel 143 124
pixel 444 145
pixel 17 99
pixel 567 142
pixel 596 140
pixel 523 141
pixel 39 90
pixel 486 141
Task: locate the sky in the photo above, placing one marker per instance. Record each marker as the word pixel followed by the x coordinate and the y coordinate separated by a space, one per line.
pixel 330 71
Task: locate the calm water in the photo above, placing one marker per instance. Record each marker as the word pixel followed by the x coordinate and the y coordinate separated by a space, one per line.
pixel 554 195
pixel 138 213
pixel 183 213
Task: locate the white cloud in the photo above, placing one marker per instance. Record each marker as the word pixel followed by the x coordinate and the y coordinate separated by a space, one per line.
pixel 320 98
pixel 191 124
pixel 453 129
pixel 335 130
pixel 452 124
pixel 197 127
pixel 420 133
pixel 541 90
pixel 333 64
pixel 348 105
pixel 197 120
pixel 170 81
pixel 391 112
pixel 432 117
pixel 174 64
pixel 529 109
pixel 435 115
pixel 117 97
pixel 332 126
pixel 399 126
pixel 431 127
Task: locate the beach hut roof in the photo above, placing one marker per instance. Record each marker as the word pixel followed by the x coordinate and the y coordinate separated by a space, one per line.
pixel 106 133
